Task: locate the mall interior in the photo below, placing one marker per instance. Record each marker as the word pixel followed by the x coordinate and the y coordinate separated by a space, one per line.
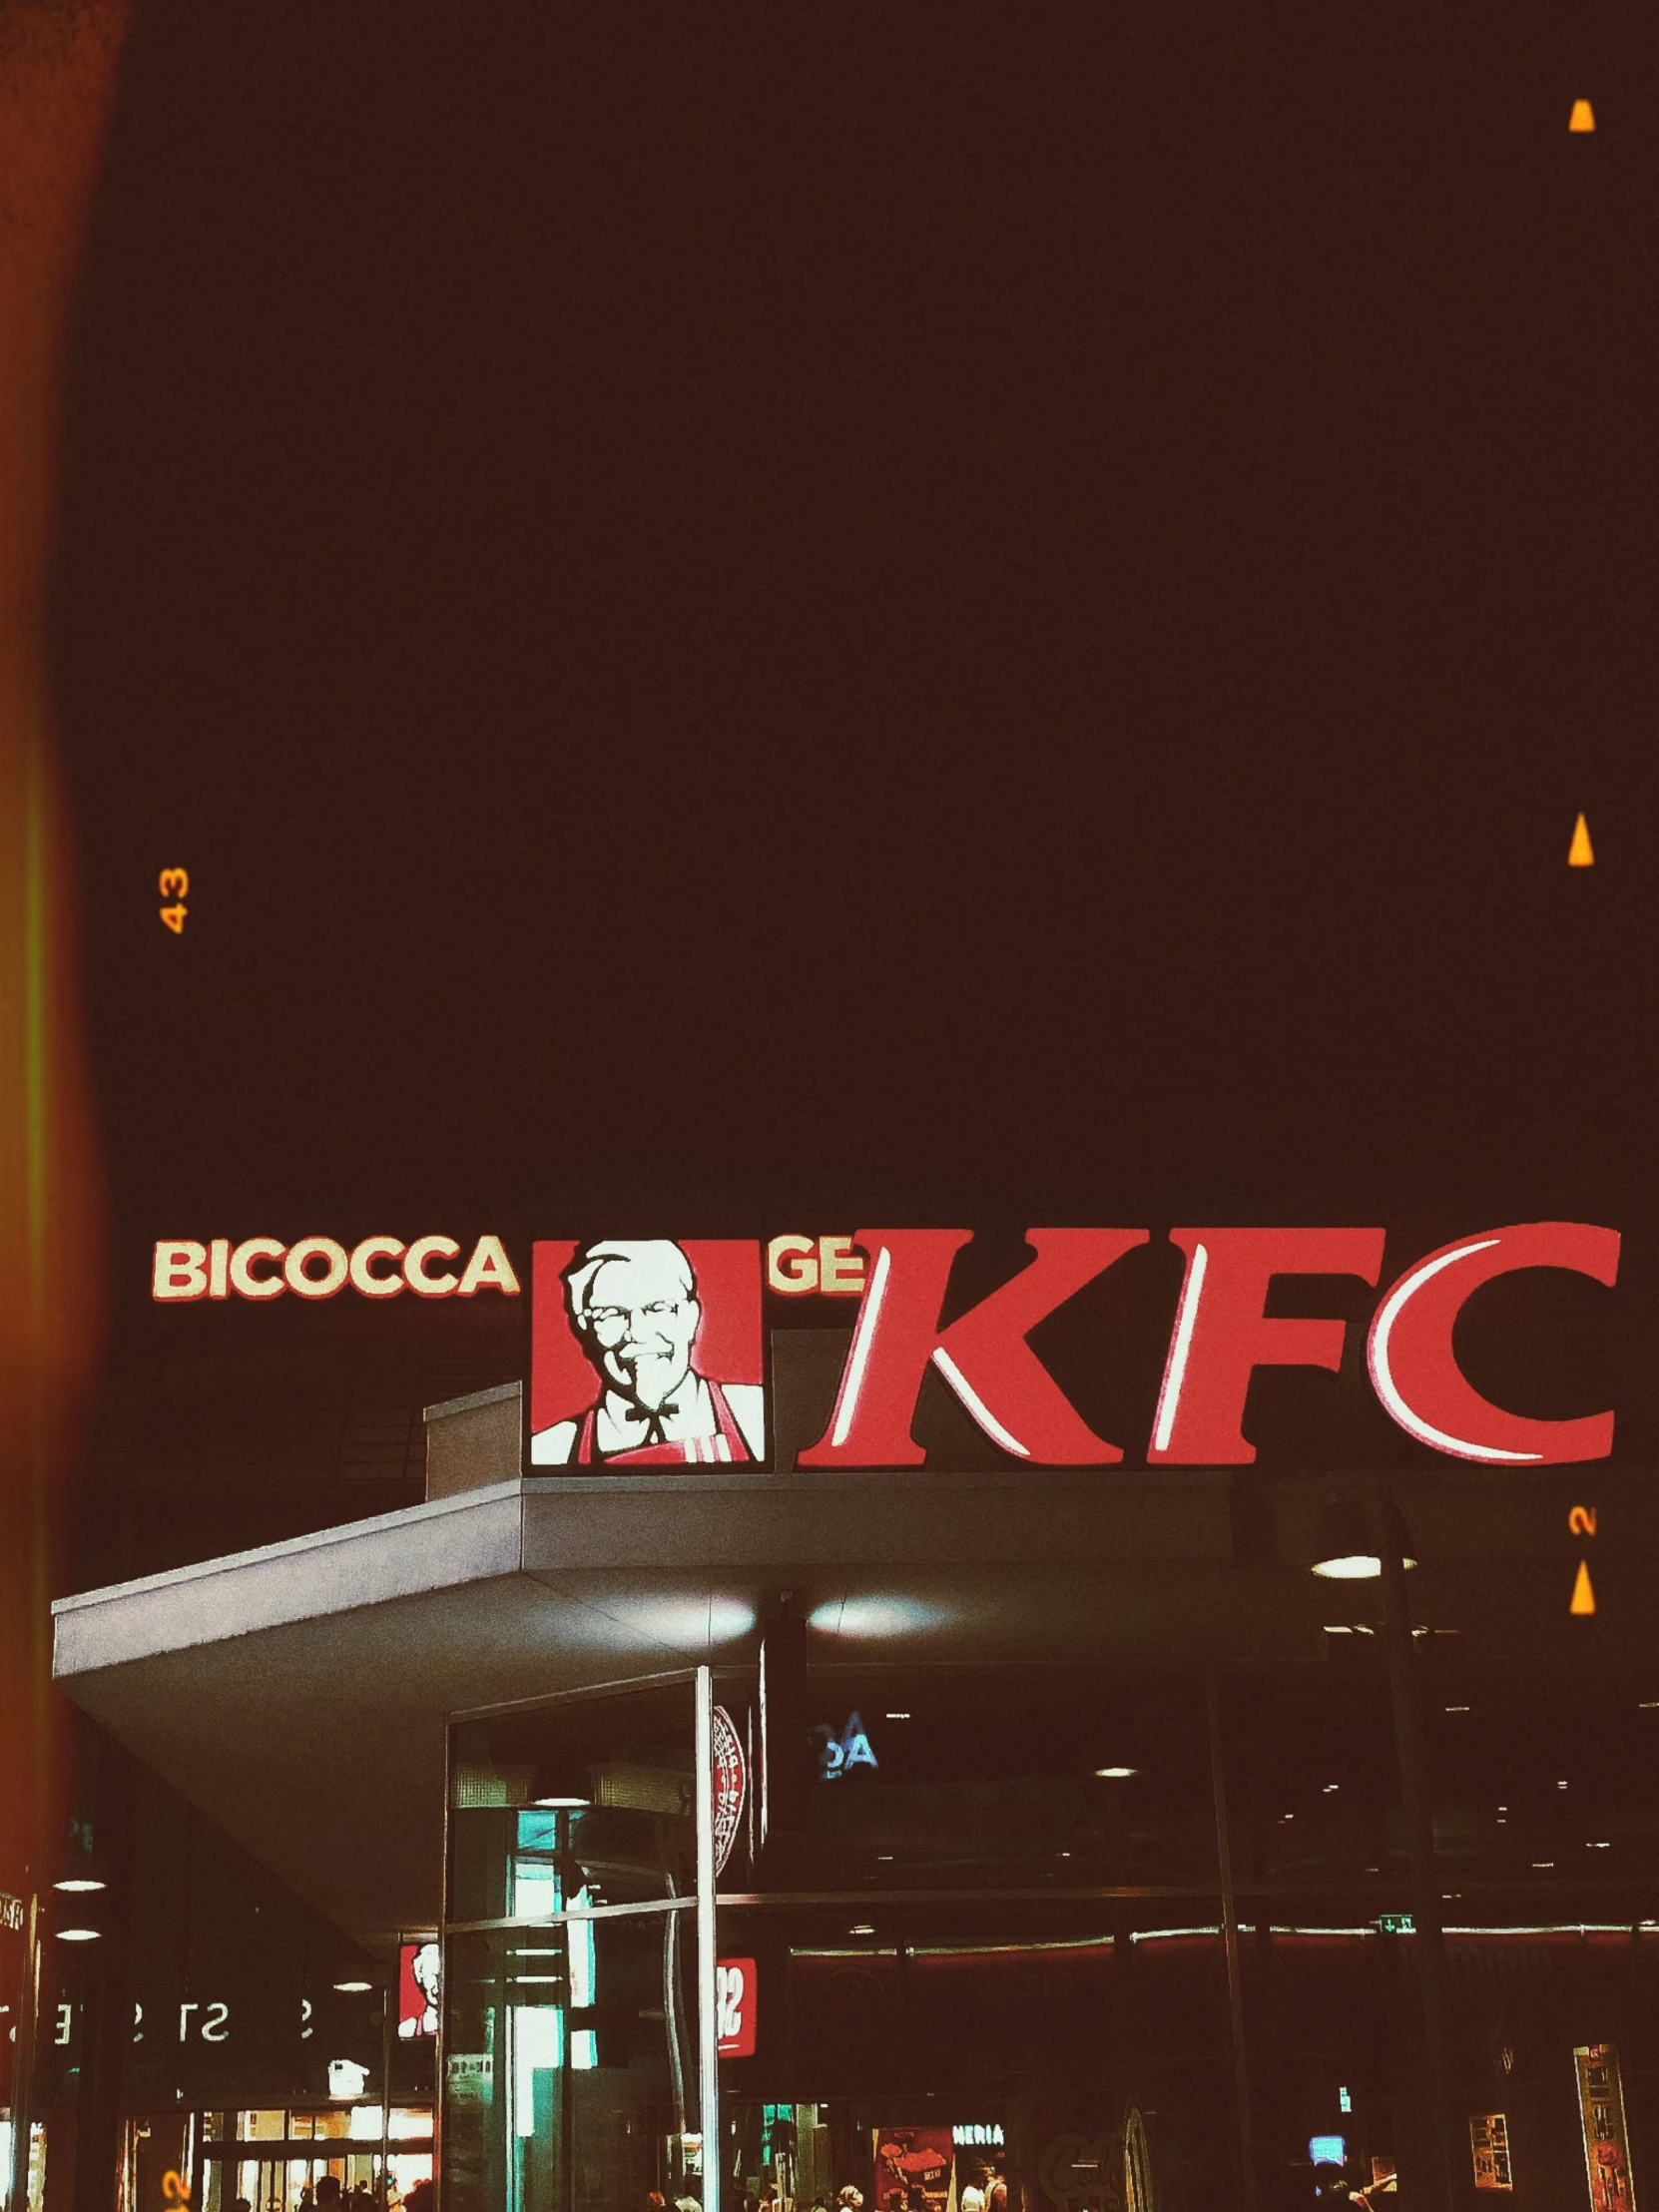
pixel 1074 1834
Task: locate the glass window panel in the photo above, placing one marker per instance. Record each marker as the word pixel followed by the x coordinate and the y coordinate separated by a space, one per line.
pixel 571 2063
pixel 591 1793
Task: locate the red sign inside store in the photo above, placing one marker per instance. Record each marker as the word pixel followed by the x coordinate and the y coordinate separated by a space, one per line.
pixel 734 2008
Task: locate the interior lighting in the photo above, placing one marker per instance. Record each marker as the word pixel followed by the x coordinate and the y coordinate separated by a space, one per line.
pixel 899 1716
pixel 1648 1705
pixel 1344 1549
pixel 561 1785
pixel 79 1934
pixel 1560 1785
pixel 1598 1847
pixel 1542 1866
pixel 1116 1774
pixel 1457 1708
pixel 79 1885
pixel 355 1988
pixel 863 1928
pixel 1329 1787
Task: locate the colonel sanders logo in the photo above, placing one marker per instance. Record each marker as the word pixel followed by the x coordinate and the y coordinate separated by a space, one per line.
pixel 647 1354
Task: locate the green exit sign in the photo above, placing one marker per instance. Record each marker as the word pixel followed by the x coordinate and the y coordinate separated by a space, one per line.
pixel 1396 1923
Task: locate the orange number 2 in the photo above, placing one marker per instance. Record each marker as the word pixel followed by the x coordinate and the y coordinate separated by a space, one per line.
pixel 1581 1521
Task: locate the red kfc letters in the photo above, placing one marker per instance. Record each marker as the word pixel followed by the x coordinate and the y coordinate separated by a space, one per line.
pixel 983 1355
pixel 1223 1333
pixel 1414 1371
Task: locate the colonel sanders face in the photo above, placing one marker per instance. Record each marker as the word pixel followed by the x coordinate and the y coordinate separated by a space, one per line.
pixel 638 1319
pixel 427 1968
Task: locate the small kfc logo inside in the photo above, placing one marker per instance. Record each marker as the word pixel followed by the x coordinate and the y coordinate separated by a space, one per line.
pixel 646 1353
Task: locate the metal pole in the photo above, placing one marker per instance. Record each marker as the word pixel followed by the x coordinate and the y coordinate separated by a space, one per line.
pixel 708 2024
pixel 23 2060
pixel 1230 1936
pixel 388 2016
pixel 1428 1947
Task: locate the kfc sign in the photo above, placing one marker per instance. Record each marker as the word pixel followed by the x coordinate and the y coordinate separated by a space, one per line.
pixel 319 1267
pixel 651 1351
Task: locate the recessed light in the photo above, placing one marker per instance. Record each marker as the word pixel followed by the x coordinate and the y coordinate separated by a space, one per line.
pixel 1542 1866
pixel 1329 1787
pixel 1116 1774
pixel 78 1885
pixel 355 1988
pixel 1457 1708
pixel 79 1934
pixel 899 1716
pixel 863 1928
pixel 1560 1785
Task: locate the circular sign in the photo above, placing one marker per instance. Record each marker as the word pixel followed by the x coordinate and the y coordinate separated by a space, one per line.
pixel 731 1786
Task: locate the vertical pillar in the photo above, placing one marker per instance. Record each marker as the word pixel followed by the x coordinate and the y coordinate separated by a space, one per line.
pixel 1441 2189
pixel 23 2058
pixel 708 2019
pixel 1229 1938
pixel 388 2032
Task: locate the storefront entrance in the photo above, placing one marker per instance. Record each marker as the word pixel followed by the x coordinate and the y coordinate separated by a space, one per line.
pixel 274 2159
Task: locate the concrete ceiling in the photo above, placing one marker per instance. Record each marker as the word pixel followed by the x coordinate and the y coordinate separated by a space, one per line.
pixel 299 1694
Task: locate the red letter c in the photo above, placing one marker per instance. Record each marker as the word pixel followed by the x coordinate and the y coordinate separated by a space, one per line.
pixel 1416 1375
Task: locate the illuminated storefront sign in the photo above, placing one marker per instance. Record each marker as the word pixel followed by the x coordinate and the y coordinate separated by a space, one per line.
pixel 734 2008
pixel 322 1267
pixel 1489 2151
pixel 840 1750
pixel 1601 2113
pixel 11 1912
pixel 420 1988
pixel 652 1351
pixel 912 2169
pixel 731 1786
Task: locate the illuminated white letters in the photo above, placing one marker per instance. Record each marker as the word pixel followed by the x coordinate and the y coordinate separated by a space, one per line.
pixel 181 1271
pixel 364 1277
pixel 243 1279
pixel 414 1267
pixel 320 1267
pixel 296 1267
pixel 489 1269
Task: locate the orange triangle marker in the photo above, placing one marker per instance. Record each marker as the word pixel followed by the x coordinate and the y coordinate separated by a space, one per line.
pixel 1581 854
pixel 1584 116
pixel 1583 1597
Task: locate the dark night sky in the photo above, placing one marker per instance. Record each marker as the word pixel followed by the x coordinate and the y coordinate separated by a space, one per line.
pixel 867 611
